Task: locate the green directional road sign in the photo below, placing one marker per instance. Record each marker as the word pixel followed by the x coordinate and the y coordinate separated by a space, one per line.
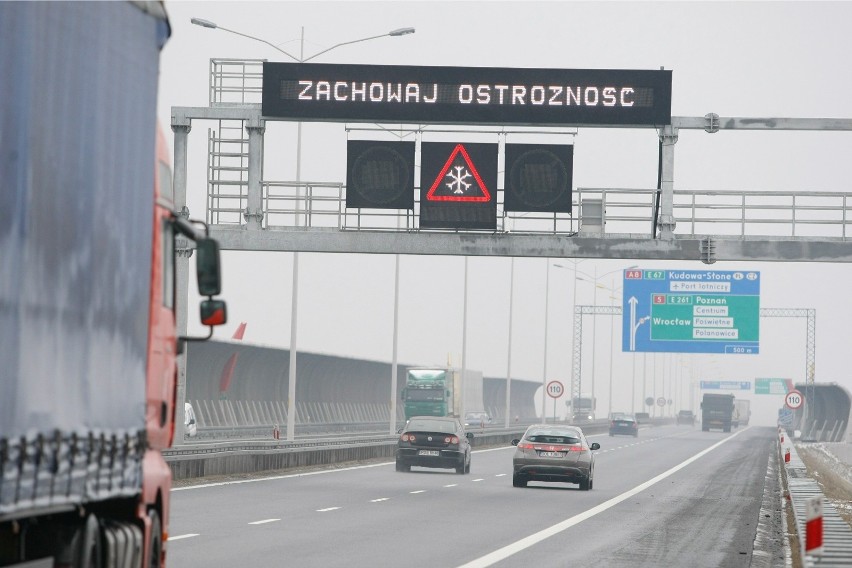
pixel 772 386
pixel 688 317
pixel 691 311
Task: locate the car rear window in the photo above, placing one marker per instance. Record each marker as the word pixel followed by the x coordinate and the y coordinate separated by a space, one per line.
pixel 553 437
pixel 443 426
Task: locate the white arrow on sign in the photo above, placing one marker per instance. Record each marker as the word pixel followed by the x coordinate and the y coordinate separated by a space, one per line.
pixel 634 325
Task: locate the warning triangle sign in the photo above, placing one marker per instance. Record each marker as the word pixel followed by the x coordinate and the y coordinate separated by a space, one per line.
pixel 459 180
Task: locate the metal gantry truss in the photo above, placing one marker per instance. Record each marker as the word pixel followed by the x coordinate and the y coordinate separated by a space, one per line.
pixel 580 311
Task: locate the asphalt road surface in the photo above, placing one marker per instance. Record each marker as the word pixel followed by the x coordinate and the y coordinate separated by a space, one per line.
pixel 675 496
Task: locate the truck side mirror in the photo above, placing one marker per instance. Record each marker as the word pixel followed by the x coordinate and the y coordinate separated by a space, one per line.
pixel 213 312
pixel 207 267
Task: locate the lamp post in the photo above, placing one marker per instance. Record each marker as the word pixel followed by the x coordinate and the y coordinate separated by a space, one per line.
pixel 509 347
pixel 544 377
pixel 291 377
pixel 613 290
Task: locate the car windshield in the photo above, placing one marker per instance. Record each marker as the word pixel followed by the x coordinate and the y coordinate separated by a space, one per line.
pixel 425 425
pixel 553 436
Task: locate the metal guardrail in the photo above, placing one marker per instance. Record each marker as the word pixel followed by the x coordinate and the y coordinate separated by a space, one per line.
pixel 837 534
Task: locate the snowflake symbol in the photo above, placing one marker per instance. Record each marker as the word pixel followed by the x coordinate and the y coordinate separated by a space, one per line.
pixel 458 185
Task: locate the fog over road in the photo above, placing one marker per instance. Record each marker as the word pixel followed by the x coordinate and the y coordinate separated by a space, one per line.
pixel 674 496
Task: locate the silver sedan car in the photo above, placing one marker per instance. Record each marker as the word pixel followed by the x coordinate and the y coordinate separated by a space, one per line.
pixel 556 453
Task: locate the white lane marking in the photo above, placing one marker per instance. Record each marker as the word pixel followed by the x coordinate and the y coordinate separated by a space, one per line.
pixel 308 473
pixel 264 521
pixel 327 509
pixel 379 500
pixel 451 485
pixel 418 491
pixel 480 479
pixel 327 471
pixel 500 475
pixel 517 546
pixel 183 536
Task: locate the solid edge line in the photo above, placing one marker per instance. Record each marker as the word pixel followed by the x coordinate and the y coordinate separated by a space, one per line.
pixel 517 546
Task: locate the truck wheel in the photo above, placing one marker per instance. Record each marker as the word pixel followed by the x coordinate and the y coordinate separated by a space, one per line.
pixel 155 543
pixel 90 544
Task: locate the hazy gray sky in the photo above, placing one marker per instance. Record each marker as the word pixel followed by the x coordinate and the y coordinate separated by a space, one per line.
pixel 739 59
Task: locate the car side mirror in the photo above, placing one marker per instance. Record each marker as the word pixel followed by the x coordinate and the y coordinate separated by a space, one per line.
pixel 515 442
pixel 595 446
pixel 192 420
pixel 469 435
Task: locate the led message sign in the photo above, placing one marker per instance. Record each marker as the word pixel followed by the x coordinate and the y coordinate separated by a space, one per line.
pixel 538 177
pixel 380 175
pixel 466 95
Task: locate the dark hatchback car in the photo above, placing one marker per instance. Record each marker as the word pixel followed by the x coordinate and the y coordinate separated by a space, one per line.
pixel 554 453
pixel 624 424
pixel 433 441
pixel 686 417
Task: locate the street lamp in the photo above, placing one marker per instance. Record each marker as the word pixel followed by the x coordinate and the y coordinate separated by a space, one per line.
pixel 291 377
pixel 544 377
pixel 301 59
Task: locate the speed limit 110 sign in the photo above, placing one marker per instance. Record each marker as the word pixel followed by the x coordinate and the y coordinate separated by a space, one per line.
pixel 794 399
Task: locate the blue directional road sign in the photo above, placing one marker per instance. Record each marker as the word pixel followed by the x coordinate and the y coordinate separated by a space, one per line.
pixel 691 311
pixel 726 385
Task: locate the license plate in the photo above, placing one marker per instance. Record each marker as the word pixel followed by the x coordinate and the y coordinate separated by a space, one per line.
pixel 550 454
pixel 428 453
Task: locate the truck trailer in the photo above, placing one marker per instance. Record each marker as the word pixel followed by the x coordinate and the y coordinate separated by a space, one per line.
pixel 742 412
pixel 88 238
pixel 717 411
pixel 440 391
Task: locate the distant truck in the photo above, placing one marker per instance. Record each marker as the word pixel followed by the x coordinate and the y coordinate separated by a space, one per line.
pixel 432 392
pixel 582 408
pixel 717 411
pixel 742 412
pixel 88 244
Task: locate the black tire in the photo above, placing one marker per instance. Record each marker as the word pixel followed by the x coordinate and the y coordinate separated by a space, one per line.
pixel 518 481
pixel 402 466
pixel 585 485
pixel 155 543
pixel 467 468
pixel 460 469
pixel 91 551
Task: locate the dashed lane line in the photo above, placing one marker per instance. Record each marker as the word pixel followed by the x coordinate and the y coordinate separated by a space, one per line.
pixel 182 536
pixel 327 509
pixel 379 500
pixel 264 521
pixel 418 491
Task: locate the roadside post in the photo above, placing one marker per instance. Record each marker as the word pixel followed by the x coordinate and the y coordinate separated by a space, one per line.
pixel 813 526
